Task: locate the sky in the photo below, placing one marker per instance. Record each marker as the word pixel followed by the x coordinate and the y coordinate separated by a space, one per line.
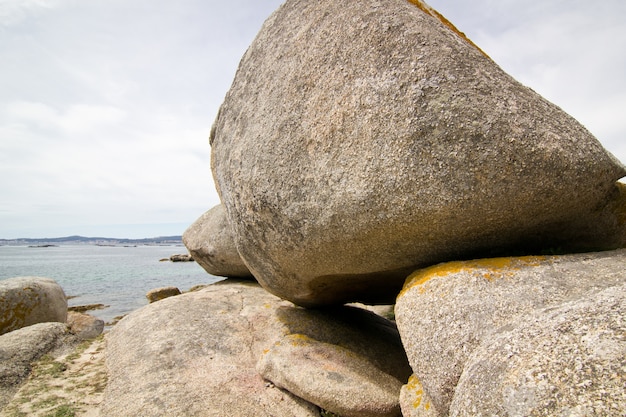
pixel 106 105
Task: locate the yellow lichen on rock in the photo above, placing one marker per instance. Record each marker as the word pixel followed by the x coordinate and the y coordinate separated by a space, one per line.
pixel 434 13
pixel 490 269
pixel 414 401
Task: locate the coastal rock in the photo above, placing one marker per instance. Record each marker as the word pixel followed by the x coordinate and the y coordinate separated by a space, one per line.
pixel 161 293
pixel 21 347
pixel 195 355
pixel 85 326
pixel 415 401
pixel 181 257
pixel 29 300
pixel 346 360
pixel 567 361
pixel 206 353
pixel 360 140
pixel 446 312
pixel 211 242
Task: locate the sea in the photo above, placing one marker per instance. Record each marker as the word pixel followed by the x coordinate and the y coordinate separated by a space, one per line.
pixel 117 276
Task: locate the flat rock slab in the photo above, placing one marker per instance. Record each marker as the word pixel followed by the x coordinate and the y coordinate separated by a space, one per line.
pixel 361 140
pixel 447 311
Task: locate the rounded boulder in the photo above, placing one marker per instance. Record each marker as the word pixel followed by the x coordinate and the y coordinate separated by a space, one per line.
pixel 360 140
pixel 25 301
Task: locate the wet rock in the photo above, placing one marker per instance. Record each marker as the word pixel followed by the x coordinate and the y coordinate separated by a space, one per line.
pixel 181 258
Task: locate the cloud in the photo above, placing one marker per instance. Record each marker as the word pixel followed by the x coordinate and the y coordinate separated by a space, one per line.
pixel 76 118
pixel 106 105
pixel 14 11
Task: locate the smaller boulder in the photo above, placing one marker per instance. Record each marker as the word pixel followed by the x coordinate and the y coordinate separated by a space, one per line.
pixel 345 360
pixel 181 258
pixel 25 301
pixel 85 326
pixel 158 294
pixel 211 242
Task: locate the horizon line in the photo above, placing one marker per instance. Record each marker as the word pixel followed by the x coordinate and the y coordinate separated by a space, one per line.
pixel 93 238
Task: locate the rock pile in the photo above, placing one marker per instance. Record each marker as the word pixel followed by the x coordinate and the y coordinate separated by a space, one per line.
pixel 362 143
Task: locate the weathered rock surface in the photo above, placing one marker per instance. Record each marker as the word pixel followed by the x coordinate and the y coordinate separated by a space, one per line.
pixel 446 312
pixel 29 300
pixel 346 360
pixel 568 361
pixel 85 326
pixel 197 353
pixel 360 140
pixel 158 294
pixel 211 242
pixel 415 401
pixel 194 355
pixel 21 347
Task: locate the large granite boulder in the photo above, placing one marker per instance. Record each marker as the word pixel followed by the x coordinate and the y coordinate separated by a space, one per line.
pixel 197 354
pixel 211 242
pixel 447 312
pixel 360 140
pixel 29 300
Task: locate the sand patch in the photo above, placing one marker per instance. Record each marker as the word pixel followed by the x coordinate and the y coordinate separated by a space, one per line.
pixel 70 385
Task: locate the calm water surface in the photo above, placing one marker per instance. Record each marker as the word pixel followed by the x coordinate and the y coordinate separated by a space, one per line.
pixel 116 276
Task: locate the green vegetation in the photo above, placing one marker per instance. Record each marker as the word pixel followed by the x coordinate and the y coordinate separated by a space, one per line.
pixel 63 411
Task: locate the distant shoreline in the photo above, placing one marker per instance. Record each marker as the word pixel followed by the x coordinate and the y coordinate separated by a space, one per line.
pixel 109 241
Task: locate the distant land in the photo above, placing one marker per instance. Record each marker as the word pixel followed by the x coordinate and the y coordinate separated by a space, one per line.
pixel 103 241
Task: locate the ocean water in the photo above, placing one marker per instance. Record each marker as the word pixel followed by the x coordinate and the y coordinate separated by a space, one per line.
pixel 116 276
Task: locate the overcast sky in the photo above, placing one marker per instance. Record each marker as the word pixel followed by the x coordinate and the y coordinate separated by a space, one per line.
pixel 106 105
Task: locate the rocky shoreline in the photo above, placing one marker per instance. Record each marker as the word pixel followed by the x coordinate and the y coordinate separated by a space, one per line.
pixel 368 152
pixel 231 347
